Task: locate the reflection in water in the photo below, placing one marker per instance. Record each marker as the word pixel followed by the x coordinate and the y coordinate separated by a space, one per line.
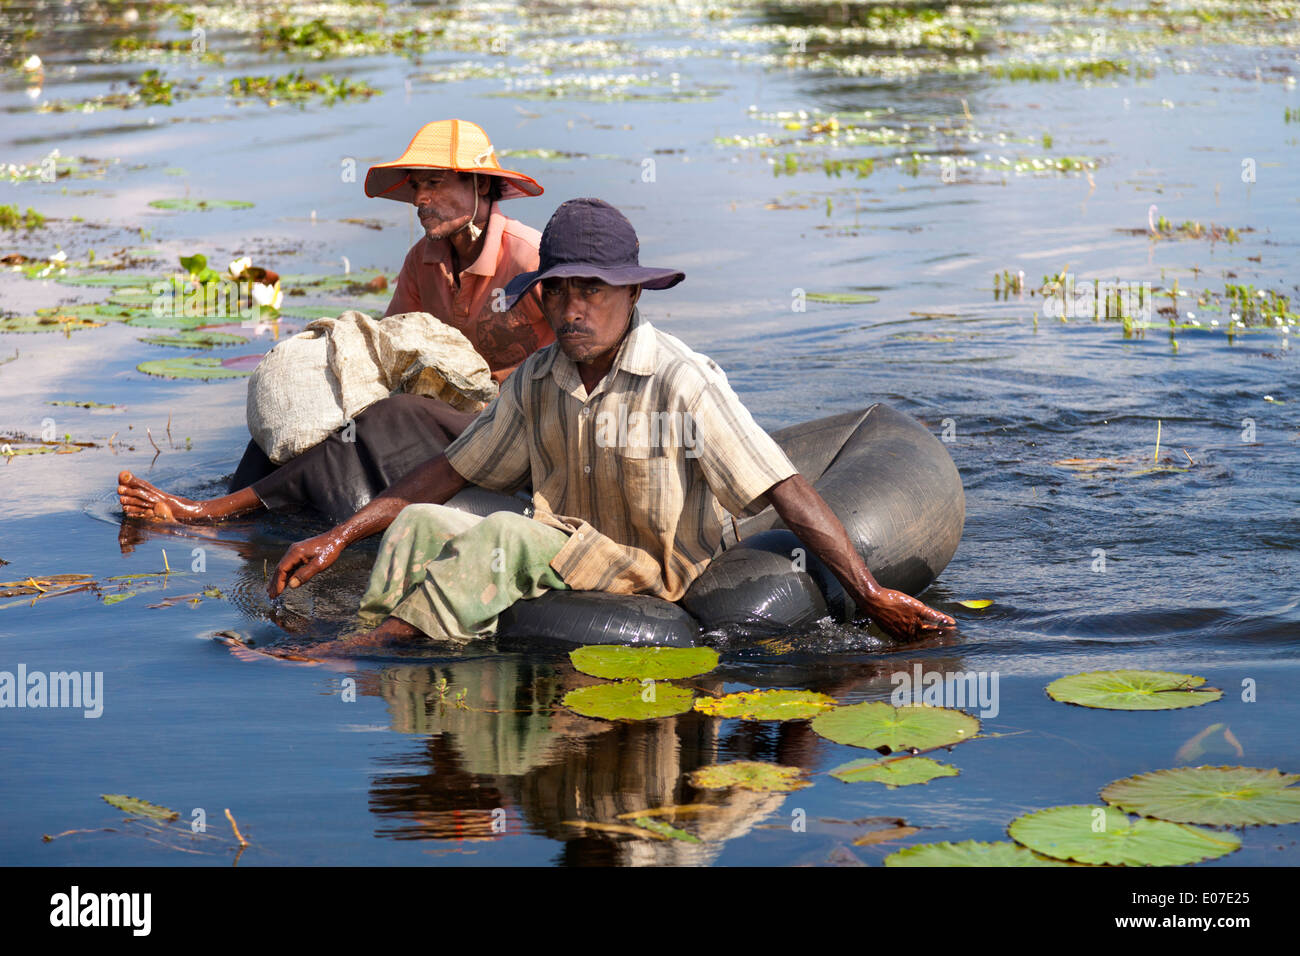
pixel 509 755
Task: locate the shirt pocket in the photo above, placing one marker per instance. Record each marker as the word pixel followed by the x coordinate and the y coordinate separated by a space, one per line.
pixel 650 481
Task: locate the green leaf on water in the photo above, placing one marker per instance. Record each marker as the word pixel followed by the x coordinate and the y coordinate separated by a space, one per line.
pixel 195 340
pixel 627 700
pixel 749 775
pixel 893 773
pixel 1132 690
pixel 115 598
pixel 1104 835
pixel 666 829
pixel 147 320
pixel 199 205
pixel 138 808
pixel 132 298
pixel 877 725
pixel 843 298
pixel 969 853
pixel 1219 796
pixel 976 605
pixel 766 705
pixel 114 280
pixel 57 322
pixel 190 367
pixel 615 661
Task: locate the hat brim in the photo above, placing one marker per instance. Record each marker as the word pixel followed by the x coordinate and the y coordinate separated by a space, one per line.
pixel 388 181
pixel 646 277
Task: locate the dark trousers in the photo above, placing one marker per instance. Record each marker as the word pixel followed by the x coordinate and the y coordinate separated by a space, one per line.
pixel 339 476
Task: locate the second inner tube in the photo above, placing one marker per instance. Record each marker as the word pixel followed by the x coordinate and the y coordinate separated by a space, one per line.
pixel 889 481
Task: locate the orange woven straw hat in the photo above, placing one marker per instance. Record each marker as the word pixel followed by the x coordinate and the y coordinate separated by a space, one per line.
pixel 446 144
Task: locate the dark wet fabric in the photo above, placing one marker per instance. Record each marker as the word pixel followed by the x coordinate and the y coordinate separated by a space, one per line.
pixel 338 477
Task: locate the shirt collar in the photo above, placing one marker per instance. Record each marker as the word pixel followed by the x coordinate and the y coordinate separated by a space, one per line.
pixel 486 263
pixel 637 354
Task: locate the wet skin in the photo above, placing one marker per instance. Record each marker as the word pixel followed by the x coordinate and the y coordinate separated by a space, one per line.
pixel 590 319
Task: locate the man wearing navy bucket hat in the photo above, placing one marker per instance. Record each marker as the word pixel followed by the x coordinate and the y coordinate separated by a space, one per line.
pixel 634 445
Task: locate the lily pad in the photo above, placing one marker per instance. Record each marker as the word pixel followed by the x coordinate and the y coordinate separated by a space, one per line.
pixel 1220 796
pixel 969 853
pixel 147 320
pixel 749 775
pixel 132 297
pixel 115 280
pixel 880 726
pixel 1067 833
pixel 843 298
pixel 336 282
pixel 1132 690
pixel 766 705
pixel 195 340
pixel 190 367
pixel 655 663
pixel 893 773
pixel 57 322
pixel 626 700
pixel 977 604
pixel 199 205
pixel 138 808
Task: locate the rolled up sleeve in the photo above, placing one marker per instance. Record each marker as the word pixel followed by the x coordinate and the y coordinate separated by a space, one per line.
pixel 739 460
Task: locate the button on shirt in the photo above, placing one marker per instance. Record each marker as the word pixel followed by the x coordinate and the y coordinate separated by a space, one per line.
pixel 427 283
pixel 637 472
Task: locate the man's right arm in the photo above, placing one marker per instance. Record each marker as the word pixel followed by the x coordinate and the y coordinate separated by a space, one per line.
pixel 434 482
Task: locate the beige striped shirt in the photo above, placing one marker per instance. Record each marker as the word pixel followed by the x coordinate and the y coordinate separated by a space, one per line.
pixel 637 472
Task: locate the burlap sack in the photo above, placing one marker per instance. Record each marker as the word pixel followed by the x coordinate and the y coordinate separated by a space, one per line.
pixel 312 383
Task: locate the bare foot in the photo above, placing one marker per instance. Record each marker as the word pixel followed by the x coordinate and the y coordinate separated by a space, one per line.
pixel 394 632
pixel 140 499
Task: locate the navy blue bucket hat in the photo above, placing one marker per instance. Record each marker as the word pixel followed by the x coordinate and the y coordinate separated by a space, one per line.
pixel 589 237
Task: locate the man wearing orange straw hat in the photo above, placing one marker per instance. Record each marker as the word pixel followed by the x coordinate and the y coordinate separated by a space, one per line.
pixel 457 272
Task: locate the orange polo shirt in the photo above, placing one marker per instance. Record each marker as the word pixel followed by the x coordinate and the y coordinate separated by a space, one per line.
pixel 427 284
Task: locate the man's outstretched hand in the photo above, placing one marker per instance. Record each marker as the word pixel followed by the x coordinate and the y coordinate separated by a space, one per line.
pixel 303 561
pixel 905 618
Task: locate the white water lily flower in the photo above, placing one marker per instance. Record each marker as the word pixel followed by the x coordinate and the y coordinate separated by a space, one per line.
pixel 239 266
pixel 267 295
pixel 59 256
pixel 32 63
pixel 1214 321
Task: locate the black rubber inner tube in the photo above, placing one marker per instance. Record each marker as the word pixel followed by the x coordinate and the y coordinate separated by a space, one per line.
pixel 891 483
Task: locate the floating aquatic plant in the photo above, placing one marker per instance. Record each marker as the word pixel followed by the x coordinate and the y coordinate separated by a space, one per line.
pixel 894 772
pixel 1104 835
pixel 191 339
pixel 133 806
pixel 969 853
pixel 12 220
pixel 1132 690
pixel 618 661
pixel 199 205
pixel 1221 796
pixel 766 705
pixel 629 700
pixel 749 775
pixel 190 367
pixel 877 725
